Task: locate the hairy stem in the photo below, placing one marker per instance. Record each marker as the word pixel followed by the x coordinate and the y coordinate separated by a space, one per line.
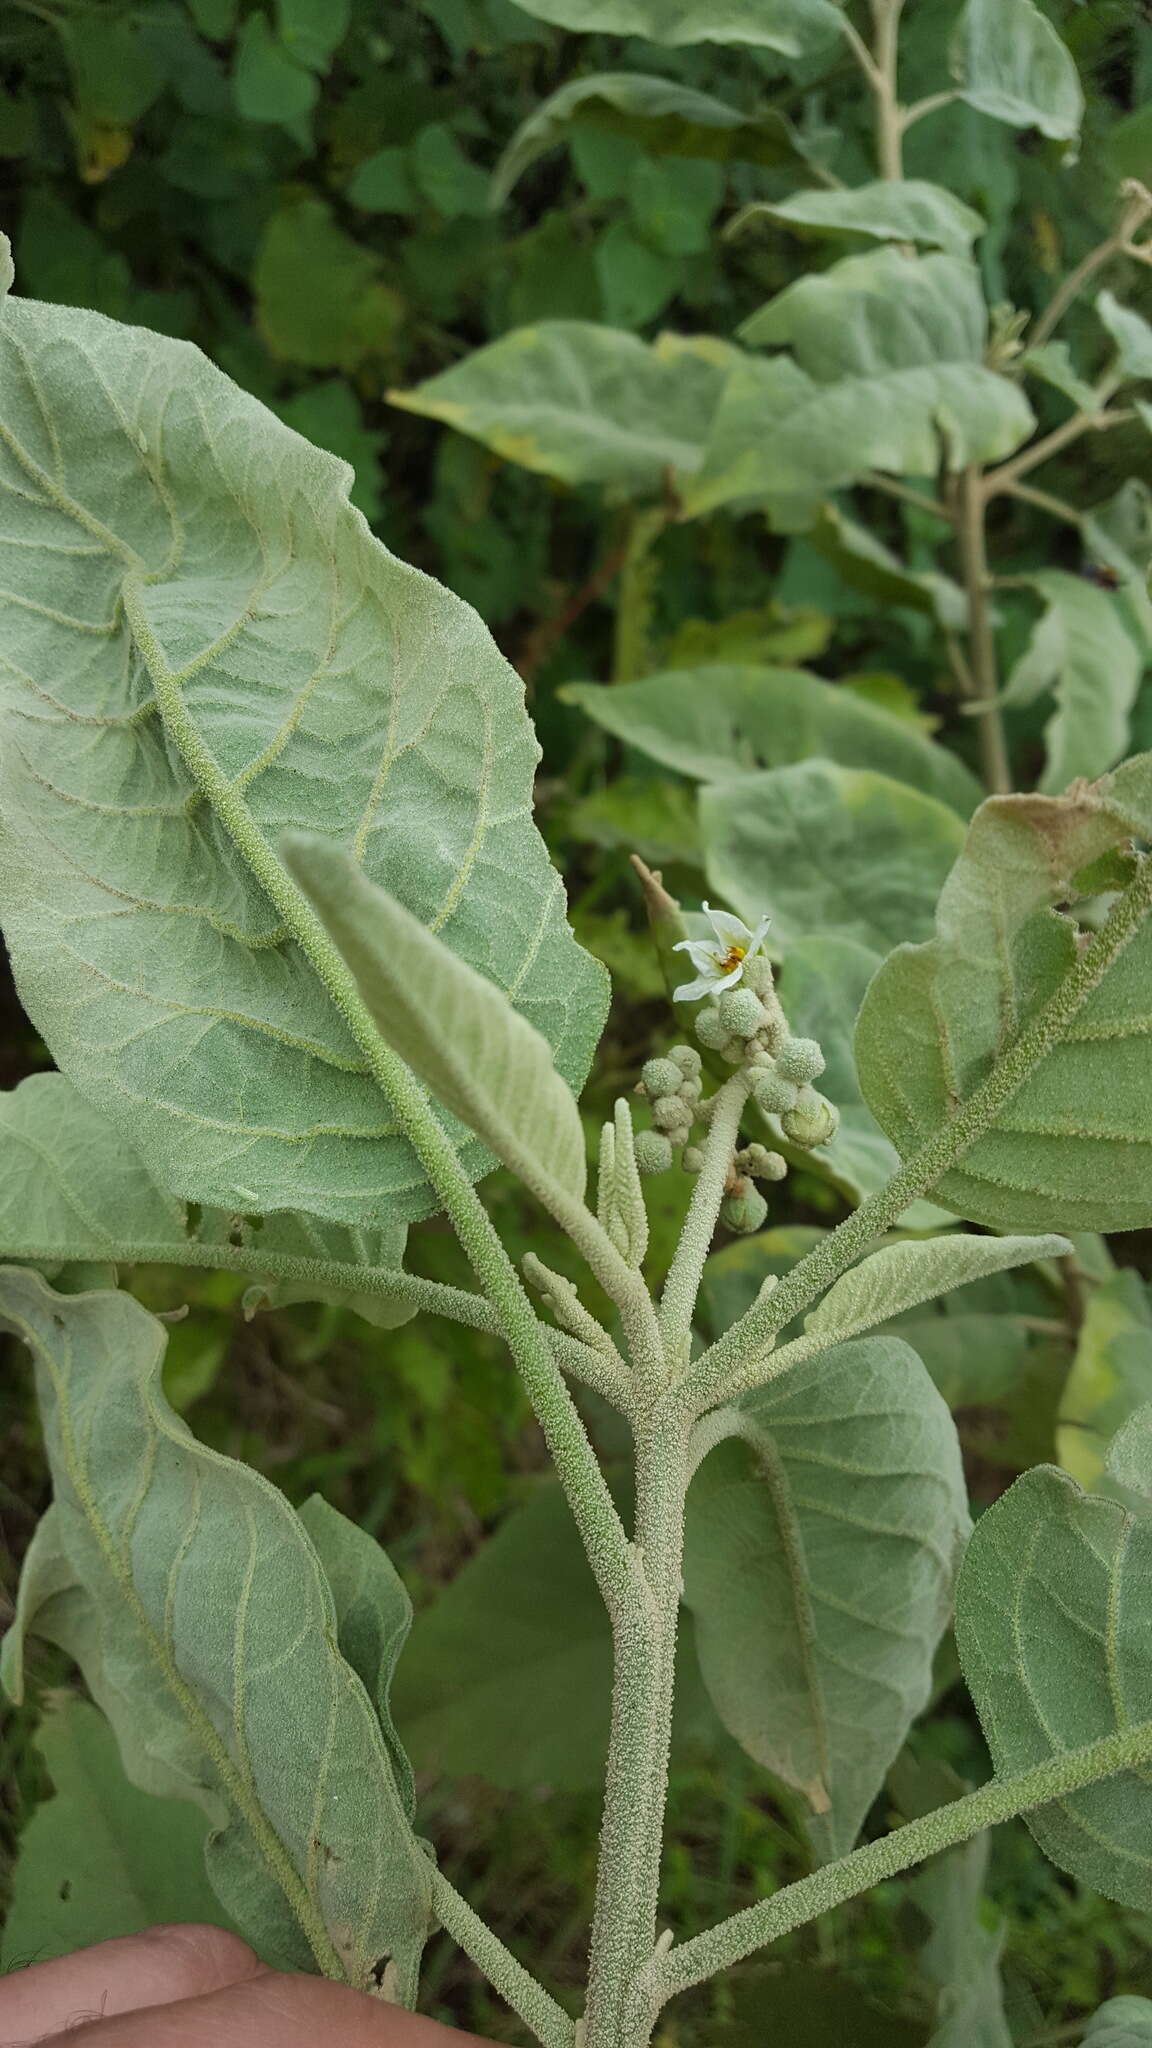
pixel 889 117
pixel 737 1358
pixel 678 1301
pixel 997 480
pixel 635 594
pixel 1134 211
pixel 796 1904
pixel 528 2000
pixel 981 636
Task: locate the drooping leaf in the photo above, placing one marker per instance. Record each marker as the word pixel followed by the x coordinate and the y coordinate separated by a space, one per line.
pixel 664 115
pixel 1082 650
pixel 1122 2023
pixel 202 1620
pixel 1131 334
pixel 373 1617
pixel 886 210
pixel 1052 363
pixel 819 1568
pixel 1111 1374
pixel 820 848
pixel 888 373
pixel 100 1858
pixel 722 719
pixel 1009 62
pixel 899 1276
pixel 72 1188
pixel 1052 1626
pixel 962 1954
pixel 303 667
pixel 457 1031
pixel 1071 1146
pixel 584 403
pixel 789 26
pixel 866 564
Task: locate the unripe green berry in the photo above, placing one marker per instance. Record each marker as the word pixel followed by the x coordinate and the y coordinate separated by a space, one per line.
pixel 742 1011
pixel 653 1152
pixel 709 1030
pixel 800 1059
pixel 687 1059
pixel 661 1077
pixel 692 1159
pixel 758 974
pixel 774 1095
pixel 744 1213
pixel 811 1121
pixel 670 1114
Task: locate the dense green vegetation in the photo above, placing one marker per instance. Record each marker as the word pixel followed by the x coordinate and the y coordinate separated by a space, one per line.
pixel 307 193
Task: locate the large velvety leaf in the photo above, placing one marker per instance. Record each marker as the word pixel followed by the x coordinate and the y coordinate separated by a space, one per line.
pixel 1081 649
pixel 1122 2023
pixel 721 719
pixel 1010 63
pixel 186 1589
pixel 461 1035
pixel 100 1858
pixel 664 115
pixel 166 538
pixel 900 1276
pixel 887 373
pixel 72 1188
pixel 1053 1630
pixel 1111 1374
pixel 825 849
pixel 887 210
pixel 819 1568
pixel 1073 1146
pixel 587 404
pixel 789 26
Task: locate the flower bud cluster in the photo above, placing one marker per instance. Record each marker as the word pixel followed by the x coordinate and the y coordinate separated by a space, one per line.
pixel 674 1087
pixel 746 1023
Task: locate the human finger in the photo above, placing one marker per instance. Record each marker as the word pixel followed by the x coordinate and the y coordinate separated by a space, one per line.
pixel 271 2011
pixel 155 1967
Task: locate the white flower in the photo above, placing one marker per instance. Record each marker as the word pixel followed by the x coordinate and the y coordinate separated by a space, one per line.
pixel 719 962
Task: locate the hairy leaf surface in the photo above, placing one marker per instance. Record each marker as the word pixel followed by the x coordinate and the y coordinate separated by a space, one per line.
pixel 1072 1148
pixel 167 539
pixel 1111 1374
pixel 819 1568
pixel 1122 2023
pixel 1010 63
pixel 1082 650
pixel 188 1592
pixel 899 1276
pixel 886 210
pixel 789 26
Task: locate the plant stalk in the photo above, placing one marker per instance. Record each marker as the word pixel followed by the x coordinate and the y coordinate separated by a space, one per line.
pixel 981 635
pixel 682 1286
pixel 539 2011
pixel 889 115
pixel 635 592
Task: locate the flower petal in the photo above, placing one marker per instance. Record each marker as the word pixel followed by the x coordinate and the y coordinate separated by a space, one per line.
pixel 731 931
pixel 702 955
pixel 727 980
pixel 692 991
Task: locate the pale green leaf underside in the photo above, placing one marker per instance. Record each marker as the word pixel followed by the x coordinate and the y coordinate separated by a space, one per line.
pixel 901 1275
pixel 1072 1149
pixel 820 848
pixel 99 1858
pixel 72 1188
pixel 1122 2023
pixel 789 26
pixel 1111 1374
pixel 334 689
pixel 722 719
pixel 1083 652
pixel 203 1622
pixel 887 210
pixel 666 116
pixel 1052 1625
pixel 460 1034
pixel 587 404
pixel 819 1570
pixel 962 1953
pixel 1010 62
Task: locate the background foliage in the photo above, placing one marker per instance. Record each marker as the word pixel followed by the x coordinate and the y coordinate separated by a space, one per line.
pixel 304 190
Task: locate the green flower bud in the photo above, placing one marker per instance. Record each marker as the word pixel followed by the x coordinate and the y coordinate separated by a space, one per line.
pixel 800 1059
pixel 687 1059
pixel 744 1213
pixel 709 1030
pixel 653 1152
pixel 761 1163
pixel 692 1159
pixel 661 1077
pixel 733 1050
pixel 773 1093
pixel 741 1011
pixel 691 1090
pixel 670 1114
pixel 811 1121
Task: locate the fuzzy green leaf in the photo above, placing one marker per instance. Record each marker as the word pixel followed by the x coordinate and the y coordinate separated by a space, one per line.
pixel 1053 364
pixel 887 210
pixel 820 848
pixel 721 719
pixel 1052 1626
pixel 171 537
pixel 662 114
pixel 456 1030
pixel 1111 1374
pixel 1131 334
pixel 1122 2023
pixel 899 1276
pixel 1010 63
pixel 1071 1148
pixel 72 1188
pixel 819 1569
pixel 587 404
pixel 866 564
pixel 1082 649
pixel 203 1622
pixel 788 26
